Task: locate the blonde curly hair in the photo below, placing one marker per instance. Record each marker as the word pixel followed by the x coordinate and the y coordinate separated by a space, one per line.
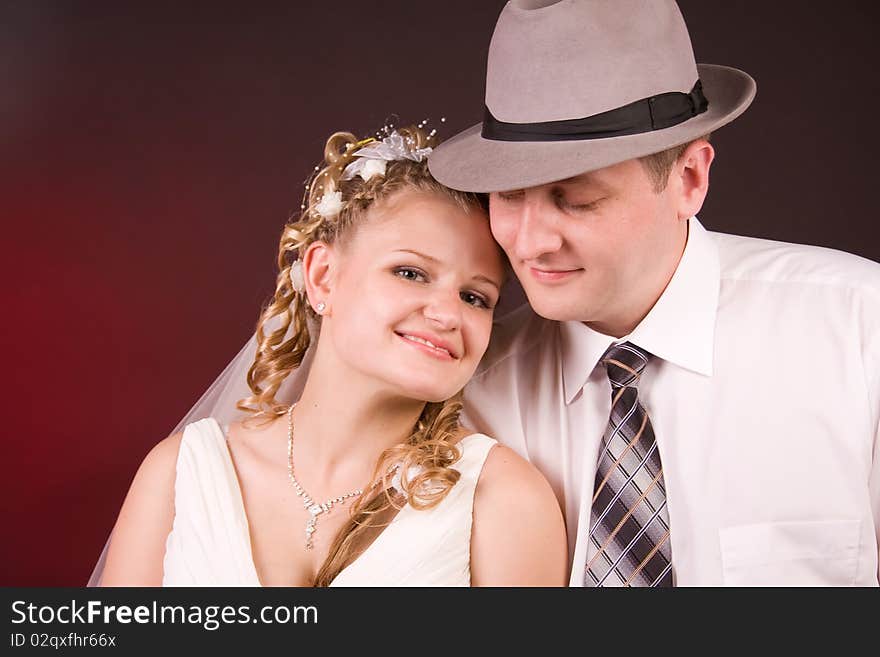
pixel 430 450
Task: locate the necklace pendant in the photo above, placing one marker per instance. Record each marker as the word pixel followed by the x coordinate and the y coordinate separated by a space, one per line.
pixel 310 529
pixel 314 509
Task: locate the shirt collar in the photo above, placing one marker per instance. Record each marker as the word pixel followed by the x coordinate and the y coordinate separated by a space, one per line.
pixel 680 328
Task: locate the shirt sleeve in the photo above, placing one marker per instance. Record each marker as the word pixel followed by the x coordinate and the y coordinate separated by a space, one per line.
pixel 874 492
pixel 871 359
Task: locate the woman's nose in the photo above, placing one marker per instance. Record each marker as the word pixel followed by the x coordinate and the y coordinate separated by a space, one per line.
pixel 444 310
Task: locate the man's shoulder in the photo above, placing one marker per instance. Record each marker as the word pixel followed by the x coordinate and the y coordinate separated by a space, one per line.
pixel 518 337
pixel 519 374
pixel 752 259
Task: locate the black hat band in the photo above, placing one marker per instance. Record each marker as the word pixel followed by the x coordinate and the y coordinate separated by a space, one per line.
pixel 645 115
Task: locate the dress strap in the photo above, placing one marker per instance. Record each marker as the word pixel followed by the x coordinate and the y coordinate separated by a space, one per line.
pixel 209 543
pixel 474 452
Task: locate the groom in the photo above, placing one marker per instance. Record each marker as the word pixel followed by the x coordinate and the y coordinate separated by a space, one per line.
pixel 706 406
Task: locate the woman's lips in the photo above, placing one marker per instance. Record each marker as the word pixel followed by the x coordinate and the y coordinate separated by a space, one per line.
pixel 419 342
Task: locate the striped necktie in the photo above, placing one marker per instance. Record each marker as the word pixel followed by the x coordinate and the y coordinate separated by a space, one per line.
pixel 629 523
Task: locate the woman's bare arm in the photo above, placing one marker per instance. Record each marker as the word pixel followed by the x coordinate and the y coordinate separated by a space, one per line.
pixel 137 546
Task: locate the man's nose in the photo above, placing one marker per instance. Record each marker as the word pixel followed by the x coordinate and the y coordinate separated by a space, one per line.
pixel 537 233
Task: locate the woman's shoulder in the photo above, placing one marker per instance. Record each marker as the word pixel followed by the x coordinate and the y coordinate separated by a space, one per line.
pixel 162 458
pixel 506 477
pixel 506 472
pixel 160 462
pixel 502 464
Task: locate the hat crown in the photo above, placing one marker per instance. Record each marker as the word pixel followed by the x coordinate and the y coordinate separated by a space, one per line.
pixel 576 58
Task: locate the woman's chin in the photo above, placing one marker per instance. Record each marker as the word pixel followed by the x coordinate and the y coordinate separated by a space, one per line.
pixel 427 393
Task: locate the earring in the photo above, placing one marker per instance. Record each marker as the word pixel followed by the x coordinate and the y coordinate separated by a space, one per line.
pixel 320 307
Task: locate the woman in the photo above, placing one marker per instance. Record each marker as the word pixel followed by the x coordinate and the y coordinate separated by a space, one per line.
pixel 368 479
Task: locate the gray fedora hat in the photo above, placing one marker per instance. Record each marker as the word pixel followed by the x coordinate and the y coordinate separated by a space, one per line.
pixel 578 85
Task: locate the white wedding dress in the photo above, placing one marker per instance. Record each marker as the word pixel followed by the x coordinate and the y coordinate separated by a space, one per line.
pixel 209 544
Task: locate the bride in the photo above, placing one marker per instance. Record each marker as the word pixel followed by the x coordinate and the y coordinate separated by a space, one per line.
pixel 388 280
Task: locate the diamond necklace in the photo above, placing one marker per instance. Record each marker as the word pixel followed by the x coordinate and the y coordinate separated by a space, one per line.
pixel 313 508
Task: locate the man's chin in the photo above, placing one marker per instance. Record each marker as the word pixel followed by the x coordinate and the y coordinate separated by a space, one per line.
pixel 556 311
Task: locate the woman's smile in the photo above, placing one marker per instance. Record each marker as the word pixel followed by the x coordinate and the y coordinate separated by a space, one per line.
pixel 430 345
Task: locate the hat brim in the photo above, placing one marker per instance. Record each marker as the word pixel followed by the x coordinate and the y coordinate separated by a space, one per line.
pixel 470 163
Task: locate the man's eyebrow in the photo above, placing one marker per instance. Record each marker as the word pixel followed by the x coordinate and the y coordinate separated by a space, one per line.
pixel 478 277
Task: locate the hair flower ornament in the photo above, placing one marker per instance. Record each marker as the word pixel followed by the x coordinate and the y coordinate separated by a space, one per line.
pixel 373 158
pixel 330 204
pixel 413 471
pixel 371 168
pixel 396 479
pixel 297 279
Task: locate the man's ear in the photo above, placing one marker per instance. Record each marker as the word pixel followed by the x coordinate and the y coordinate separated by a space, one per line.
pixel 319 268
pixel 689 178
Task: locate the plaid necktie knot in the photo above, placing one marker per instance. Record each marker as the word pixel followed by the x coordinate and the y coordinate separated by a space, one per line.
pixel 629 523
pixel 625 364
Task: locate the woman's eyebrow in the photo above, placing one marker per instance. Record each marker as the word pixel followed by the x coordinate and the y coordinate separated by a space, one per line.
pixel 478 277
pixel 419 254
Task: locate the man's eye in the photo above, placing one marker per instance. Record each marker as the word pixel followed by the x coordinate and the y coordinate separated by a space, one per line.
pixel 409 273
pixel 577 206
pixel 582 207
pixel 511 196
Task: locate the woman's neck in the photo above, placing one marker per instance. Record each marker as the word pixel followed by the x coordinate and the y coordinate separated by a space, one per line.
pixel 344 420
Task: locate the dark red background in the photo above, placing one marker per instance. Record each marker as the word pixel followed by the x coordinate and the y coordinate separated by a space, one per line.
pixel 149 155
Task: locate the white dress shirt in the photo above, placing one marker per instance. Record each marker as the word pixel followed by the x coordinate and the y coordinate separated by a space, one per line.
pixel 764 395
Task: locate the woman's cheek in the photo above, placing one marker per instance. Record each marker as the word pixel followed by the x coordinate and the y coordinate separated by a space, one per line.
pixel 480 333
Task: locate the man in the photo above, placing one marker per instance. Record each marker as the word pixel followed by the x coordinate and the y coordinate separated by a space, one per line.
pixel 706 406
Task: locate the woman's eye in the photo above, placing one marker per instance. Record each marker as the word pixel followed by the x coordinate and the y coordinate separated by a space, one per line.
pixel 474 300
pixel 410 274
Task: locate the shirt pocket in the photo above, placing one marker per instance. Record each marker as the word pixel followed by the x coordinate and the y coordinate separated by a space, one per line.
pixel 804 553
